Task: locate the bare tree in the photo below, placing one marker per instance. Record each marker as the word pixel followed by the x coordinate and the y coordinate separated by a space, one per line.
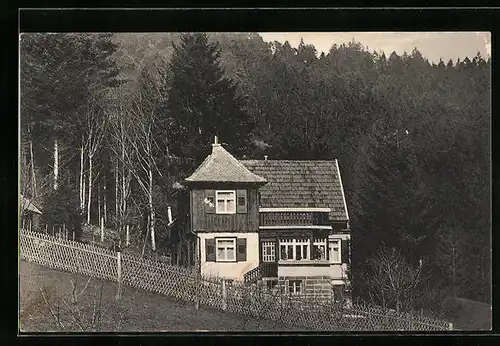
pixel 392 280
pixel 142 142
pixel 74 313
pixel 144 118
pixel 120 128
pixel 92 139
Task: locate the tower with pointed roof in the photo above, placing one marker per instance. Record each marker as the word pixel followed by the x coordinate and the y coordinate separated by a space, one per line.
pixel 224 214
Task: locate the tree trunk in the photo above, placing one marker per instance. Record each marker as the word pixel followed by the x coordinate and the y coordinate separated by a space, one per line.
pixel 99 203
pixel 33 178
pixel 178 259
pixel 151 211
pixel 90 190
pixel 82 186
pixel 104 200
pixel 146 238
pixel 453 278
pixel 56 163
pixel 84 189
pixel 116 194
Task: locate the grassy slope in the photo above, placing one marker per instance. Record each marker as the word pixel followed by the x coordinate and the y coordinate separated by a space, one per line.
pixel 141 310
pixel 468 314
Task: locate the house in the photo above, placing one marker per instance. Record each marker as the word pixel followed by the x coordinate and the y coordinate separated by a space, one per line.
pixel 30 214
pixel 281 222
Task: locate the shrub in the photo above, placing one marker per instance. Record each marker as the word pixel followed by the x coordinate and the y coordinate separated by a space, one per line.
pixel 62 207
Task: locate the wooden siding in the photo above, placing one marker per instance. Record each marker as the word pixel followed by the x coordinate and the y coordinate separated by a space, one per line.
pixel 202 221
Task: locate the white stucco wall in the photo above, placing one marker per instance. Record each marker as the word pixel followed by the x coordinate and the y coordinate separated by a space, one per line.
pixel 335 271
pixel 231 270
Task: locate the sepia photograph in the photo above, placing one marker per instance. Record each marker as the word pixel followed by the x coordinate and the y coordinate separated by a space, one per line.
pixel 254 182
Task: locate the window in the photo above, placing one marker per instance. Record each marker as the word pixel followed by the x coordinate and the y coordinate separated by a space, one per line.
pixel 294 286
pixel 268 251
pixel 270 284
pixel 226 249
pixel 334 248
pixel 294 249
pixel 226 202
pixel 319 249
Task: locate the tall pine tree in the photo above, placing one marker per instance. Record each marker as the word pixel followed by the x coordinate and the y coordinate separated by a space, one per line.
pixel 390 200
pixel 202 103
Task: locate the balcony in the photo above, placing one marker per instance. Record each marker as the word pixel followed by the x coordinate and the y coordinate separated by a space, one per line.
pixel 293 218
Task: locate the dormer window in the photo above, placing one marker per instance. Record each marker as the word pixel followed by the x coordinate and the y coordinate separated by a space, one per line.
pixel 226 202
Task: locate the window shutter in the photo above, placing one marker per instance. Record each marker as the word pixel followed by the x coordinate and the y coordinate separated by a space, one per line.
pixel 241 196
pixel 344 250
pixel 209 195
pixel 241 255
pixel 210 250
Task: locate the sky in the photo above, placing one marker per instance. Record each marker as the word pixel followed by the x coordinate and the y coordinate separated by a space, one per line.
pixel 432 45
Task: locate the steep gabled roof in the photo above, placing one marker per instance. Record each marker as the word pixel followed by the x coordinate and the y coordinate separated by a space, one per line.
pixel 27 205
pixel 221 166
pixel 295 184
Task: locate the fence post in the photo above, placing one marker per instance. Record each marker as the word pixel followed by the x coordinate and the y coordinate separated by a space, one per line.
pixel 73 235
pixel 199 291
pixel 224 295
pixel 119 267
pixel 450 326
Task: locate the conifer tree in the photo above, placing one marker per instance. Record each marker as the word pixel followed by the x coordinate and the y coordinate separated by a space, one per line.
pixel 202 103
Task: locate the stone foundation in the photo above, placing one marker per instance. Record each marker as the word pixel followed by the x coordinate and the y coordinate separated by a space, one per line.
pixel 317 287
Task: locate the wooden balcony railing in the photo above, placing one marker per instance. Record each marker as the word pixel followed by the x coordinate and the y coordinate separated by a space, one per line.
pixel 293 218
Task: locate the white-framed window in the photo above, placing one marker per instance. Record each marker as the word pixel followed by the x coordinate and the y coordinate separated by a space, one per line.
pixel 294 249
pixel 268 251
pixel 226 249
pixel 335 248
pixel 226 202
pixel 294 286
pixel 319 249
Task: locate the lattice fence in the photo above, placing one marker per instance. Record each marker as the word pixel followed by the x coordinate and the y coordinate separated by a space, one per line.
pixel 72 256
pixel 187 285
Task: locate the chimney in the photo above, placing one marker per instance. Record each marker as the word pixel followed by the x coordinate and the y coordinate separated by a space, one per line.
pixel 265 157
pixel 216 142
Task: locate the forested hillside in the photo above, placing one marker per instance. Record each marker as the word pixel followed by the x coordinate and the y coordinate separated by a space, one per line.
pixel 115 122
